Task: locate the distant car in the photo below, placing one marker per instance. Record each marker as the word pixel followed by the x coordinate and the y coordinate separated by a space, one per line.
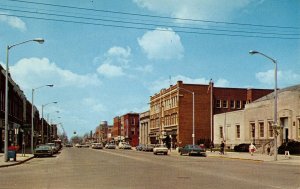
pixel 97 146
pixel 148 148
pixel 244 147
pixel 192 150
pixel 139 147
pixel 160 149
pixel 43 150
pixel 127 147
pixel 69 145
pixel 111 146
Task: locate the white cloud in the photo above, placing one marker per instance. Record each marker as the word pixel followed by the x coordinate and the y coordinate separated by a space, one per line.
pixel 162 43
pixel 32 72
pixel 109 70
pixel 13 21
pixel 194 9
pixel 116 59
pixel 157 85
pixel 145 69
pixel 93 105
pixel 285 78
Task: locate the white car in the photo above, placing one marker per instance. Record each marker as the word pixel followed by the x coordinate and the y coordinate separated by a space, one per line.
pixel 97 146
pixel 160 149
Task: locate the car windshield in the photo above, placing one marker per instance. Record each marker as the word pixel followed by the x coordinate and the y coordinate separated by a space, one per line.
pixel 44 147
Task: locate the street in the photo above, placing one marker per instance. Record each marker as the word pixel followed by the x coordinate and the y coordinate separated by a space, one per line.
pixel 88 168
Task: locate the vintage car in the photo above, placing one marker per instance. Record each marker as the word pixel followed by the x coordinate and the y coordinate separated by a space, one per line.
pixel 160 149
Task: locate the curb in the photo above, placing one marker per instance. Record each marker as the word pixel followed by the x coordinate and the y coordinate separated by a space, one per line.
pixel 17 163
pixel 244 159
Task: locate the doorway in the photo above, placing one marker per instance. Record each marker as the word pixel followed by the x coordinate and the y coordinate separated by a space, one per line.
pixel 285 127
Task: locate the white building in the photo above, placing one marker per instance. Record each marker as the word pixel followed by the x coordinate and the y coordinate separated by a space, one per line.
pixel 254 123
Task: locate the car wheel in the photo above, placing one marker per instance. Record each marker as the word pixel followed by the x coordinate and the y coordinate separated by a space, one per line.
pixel 190 154
pixel 166 153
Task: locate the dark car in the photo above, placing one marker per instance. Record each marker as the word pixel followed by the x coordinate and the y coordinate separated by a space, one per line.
pixel 192 150
pixel 244 147
pixel 292 146
pixel 43 150
pixel 139 147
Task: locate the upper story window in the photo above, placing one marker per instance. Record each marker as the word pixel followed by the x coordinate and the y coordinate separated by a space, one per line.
pixel 218 104
pixel 225 104
pixel 238 104
pixel 232 104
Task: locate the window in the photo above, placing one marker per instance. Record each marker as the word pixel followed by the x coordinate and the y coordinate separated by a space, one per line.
pixel 252 130
pixel 225 105
pixel 244 103
pixel 261 129
pixel 271 134
pixel 238 104
pixel 238 131
pixel 218 104
pixel 232 104
pixel 221 132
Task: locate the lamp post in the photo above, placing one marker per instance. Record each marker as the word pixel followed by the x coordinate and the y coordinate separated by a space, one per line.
pixel 32 112
pixel 275 100
pixel 39 40
pixel 43 119
pixel 193 134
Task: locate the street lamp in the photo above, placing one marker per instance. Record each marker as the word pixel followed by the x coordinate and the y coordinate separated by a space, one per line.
pixel 193 134
pixel 43 119
pixel 39 40
pixel 32 116
pixel 275 100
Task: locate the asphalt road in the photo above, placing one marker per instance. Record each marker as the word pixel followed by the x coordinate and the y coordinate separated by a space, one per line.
pixel 121 169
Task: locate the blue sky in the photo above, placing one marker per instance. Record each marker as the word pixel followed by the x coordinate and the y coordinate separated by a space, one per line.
pixel 100 72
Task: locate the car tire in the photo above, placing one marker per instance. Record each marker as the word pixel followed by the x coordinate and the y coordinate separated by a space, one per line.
pixel 166 153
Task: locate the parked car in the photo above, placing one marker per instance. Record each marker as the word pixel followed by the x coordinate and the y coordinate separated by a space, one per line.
pixel 43 150
pixel 111 146
pixel 160 149
pixel 139 147
pixel 293 147
pixel 148 148
pixel 127 147
pixel 69 145
pixel 244 147
pixel 55 148
pixel 97 146
pixel 193 150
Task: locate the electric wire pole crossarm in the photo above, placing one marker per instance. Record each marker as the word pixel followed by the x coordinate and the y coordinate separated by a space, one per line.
pixel 39 40
pixel 252 52
pixel 193 93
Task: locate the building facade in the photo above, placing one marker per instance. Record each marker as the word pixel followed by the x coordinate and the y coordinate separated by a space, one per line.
pixel 173 110
pixel 144 128
pixel 255 122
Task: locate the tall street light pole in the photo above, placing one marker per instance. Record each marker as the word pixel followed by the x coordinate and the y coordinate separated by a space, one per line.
pixel 275 100
pixel 49 122
pixel 32 112
pixel 39 40
pixel 193 134
pixel 43 119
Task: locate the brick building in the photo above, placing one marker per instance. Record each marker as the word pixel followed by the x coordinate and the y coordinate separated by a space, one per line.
pixel 126 128
pixel 171 111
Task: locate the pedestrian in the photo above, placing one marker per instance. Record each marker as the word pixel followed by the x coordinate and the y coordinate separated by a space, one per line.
pixel 222 148
pixel 252 149
pixel 286 151
pixel 268 149
pixel 211 146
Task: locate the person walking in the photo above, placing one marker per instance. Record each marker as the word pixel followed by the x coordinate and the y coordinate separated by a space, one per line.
pixel 252 149
pixel 286 151
pixel 268 149
pixel 222 148
pixel 211 146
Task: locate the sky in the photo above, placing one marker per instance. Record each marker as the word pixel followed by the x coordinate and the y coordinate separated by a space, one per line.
pixel 106 58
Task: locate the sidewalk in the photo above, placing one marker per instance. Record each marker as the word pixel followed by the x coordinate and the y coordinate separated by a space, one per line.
pixel 293 160
pixel 20 159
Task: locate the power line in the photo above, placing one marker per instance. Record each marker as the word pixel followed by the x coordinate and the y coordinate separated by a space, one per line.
pixel 147 24
pixel 145 28
pixel 155 16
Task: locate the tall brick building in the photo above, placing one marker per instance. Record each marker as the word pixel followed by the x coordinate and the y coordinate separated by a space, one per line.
pixel 171 111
